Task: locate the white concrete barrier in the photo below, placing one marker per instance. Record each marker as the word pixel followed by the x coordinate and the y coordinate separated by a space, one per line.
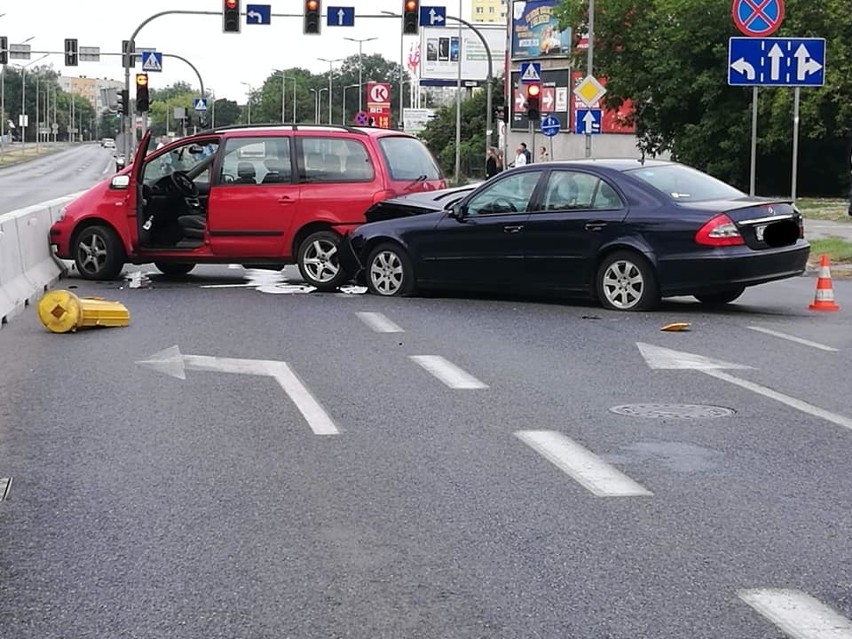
pixel 27 266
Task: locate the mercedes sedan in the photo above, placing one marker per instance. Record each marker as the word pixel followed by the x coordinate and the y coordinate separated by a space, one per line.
pixel 626 232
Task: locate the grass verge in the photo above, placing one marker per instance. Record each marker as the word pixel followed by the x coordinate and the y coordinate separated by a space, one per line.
pixel 836 210
pixel 839 251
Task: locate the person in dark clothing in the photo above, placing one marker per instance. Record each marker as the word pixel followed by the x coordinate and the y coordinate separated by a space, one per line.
pixel 493 165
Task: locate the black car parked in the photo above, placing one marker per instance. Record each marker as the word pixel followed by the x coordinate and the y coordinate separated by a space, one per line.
pixel 627 232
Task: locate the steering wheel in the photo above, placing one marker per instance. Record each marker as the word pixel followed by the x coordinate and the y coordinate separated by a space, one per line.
pixel 503 202
pixel 183 184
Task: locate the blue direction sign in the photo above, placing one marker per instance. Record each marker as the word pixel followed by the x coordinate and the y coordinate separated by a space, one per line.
pixel 530 72
pixel 340 17
pixel 258 14
pixel 152 61
pixel 433 16
pixel 200 104
pixel 786 62
pixel 550 125
pixel 588 121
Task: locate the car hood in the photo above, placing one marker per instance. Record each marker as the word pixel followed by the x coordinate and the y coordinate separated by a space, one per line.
pixel 415 204
pixel 394 226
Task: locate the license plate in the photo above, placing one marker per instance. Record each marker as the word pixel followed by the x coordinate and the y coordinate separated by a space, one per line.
pixel 759 231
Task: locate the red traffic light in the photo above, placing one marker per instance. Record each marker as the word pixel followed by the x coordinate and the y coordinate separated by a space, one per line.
pixel 311 5
pixel 411 5
pixel 533 90
pixel 231 4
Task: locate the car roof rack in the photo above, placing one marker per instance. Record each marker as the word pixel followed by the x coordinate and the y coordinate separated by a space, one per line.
pixel 276 125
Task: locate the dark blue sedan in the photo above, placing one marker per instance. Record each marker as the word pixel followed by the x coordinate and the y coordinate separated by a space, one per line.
pixel 626 232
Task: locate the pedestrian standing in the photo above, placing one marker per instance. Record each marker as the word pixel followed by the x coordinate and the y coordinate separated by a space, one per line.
pixel 493 165
pixel 521 155
pixel 543 155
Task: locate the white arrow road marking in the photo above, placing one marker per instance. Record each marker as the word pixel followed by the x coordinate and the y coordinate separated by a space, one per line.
pixel 743 67
pixel 447 372
pixel 793 338
pixel 775 55
pixel 174 363
pixel 584 466
pixel 661 358
pixel 379 323
pixel 798 614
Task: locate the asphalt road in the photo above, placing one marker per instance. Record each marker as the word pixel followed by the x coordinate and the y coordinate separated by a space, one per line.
pixel 148 506
pixel 53 176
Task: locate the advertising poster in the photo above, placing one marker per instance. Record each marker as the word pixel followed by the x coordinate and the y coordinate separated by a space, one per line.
pixel 535 31
pixel 445 51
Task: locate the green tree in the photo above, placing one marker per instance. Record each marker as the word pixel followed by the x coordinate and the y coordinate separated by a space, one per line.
pixel 227 112
pixel 670 58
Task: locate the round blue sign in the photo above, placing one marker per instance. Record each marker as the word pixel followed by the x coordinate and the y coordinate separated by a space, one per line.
pixel 550 125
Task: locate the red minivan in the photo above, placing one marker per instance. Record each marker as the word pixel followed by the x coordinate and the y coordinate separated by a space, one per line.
pixel 266 195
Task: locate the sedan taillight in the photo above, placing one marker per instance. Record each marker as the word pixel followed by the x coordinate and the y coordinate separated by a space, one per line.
pixel 719 231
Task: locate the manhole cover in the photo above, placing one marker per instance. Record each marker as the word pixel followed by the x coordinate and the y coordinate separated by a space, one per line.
pixel 672 411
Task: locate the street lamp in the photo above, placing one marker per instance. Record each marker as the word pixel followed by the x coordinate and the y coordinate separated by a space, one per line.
pixel 249 100
pixel 401 68
pixel 317 98
pixel 346 88
pixel 283 88
pixel 360 67
pixel 24 96
pixel 3 95
pixel 330 73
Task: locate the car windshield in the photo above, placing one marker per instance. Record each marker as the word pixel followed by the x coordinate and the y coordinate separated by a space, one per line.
pixel 409 159
pixel 684 184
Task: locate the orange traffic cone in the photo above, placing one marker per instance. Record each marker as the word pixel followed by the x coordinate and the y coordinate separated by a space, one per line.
pixel 824 299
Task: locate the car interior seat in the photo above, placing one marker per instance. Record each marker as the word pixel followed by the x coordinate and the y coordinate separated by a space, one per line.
pixel 246 173
pixel 276 172
pixel 357 168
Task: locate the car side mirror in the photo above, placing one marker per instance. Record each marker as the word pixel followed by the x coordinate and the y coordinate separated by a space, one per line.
pixel 458 212
pixel 120 182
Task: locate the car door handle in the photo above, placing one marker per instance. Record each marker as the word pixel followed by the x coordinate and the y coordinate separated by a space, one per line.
pixel 595 226
pixel 285 199
pixel 513 229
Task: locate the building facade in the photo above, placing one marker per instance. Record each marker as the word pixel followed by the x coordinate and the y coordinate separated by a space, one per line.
pixel 488 11
pixel 95 90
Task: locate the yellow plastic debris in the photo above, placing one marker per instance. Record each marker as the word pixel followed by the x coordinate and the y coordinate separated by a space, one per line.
pixel 63 312
pixel 677 327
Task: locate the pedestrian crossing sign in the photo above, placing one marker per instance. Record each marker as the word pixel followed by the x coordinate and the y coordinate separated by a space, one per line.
pixel 530 72
pixel 152 61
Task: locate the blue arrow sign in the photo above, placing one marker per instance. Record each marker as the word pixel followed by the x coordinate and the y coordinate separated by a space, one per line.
pixel 530 72
pixel 550 125
pixel 152 61
pixel 200 104
pixel 433 16
pixel 588 121
pixel 258 14
pixel 786 62
pixel 340 17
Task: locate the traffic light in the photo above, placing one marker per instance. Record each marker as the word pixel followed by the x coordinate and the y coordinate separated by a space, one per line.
pixel 312 16
pixel 142 101
pixel 72 52
pixel 4 50
pixel 231 16
pixel 128 59
pixel 124 102
pixel 533 102
pixel 410 17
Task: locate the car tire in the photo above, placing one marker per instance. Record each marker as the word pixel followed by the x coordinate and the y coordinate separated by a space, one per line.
pixel 98 253
pixel 389 271
pixel 318 261
pixel 626 281
pixel 174 269
pixel 720 297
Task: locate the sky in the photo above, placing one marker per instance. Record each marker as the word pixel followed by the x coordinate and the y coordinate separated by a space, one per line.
pixel 225 61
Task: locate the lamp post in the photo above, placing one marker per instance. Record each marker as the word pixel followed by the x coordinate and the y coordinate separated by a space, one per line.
pixel 317 98
pixel 249 100
pixel 360 42
pixel 343 111
pixel 284 79
pixel 401 70
pixel 330 74
pixel 24 96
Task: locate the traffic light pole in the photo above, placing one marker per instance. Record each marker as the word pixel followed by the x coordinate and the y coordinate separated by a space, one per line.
pixel 590 59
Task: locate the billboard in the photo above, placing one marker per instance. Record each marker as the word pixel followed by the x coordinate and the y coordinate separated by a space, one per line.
pixel 442 51
pixel 536 33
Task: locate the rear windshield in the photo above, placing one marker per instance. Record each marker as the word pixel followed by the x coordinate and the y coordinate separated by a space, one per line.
pixel 684 184
pixel 409 159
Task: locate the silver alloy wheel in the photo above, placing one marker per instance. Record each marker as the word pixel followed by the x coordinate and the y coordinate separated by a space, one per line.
pixel 623 284
pixel 386 273
pixel 320 261
pixel 93 256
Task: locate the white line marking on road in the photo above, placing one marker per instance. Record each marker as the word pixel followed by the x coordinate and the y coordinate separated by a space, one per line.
pixel 792 402
pixel 583 465
pixel 234 267
pixel 379 323
pixel 313 412
pixel 793 338
pixel 447 372
pixel 798 614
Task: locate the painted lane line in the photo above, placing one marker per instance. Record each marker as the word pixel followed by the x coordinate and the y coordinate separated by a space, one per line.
pixel 799 615
pixel 313 412
pixel 793 338
pixel 447 372
pixel 379 323
pixel 5 487
pixel 588 469
pixel 792 402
